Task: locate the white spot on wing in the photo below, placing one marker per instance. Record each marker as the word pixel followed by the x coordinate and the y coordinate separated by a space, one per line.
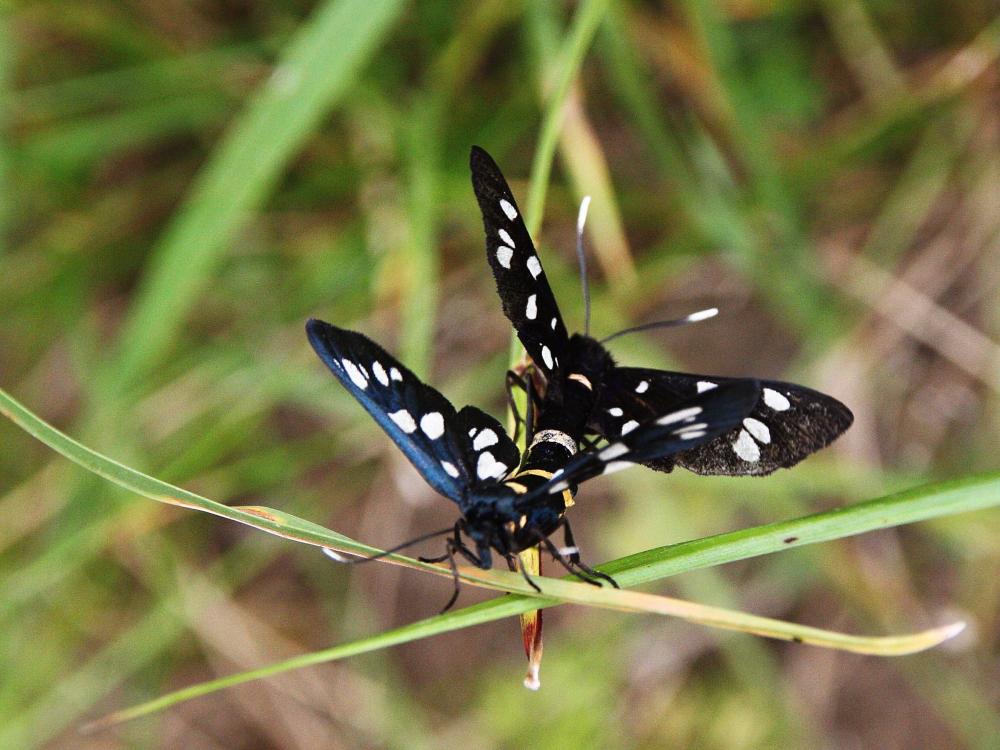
pixel 629 426
pixel 505 236
pixel 554 321
pixel 485 439
pixel 613 451
pixel 380 374
pixel 746 448
pixel 395 374
pixel 677 416
pixel 704 385
pixel 547 357
pixel 534 266
pixel 355 374
pixel 642 387
pixel 508 208
pixel 758 429
pixel 403 420
pixel 432 424
pixel 776 400
pixel 504 254
pixel 531 310
pixel 614 466
pixel 614 411
pixel 488 467
pixel 691 435
pixel 450 469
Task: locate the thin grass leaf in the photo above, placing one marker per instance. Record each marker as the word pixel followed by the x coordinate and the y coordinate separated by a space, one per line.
pixel 883 646
pixel 556 591
pixel 585 24
pixel 317 68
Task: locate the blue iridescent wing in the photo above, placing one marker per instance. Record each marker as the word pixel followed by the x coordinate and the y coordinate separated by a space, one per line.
pixel 440 442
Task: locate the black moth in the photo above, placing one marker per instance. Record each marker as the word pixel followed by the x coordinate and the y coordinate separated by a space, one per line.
pixel 468 457
pixel 588 393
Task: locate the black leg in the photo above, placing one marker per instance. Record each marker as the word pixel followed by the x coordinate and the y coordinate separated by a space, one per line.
pixel 570 568
pixel 524 574
pixel 574 557
pixel 454 577
pixel 448 550
pixel 529 411
pixel 439 558
pixel 514 380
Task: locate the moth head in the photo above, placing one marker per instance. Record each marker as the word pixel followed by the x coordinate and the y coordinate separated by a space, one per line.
pixel 589 358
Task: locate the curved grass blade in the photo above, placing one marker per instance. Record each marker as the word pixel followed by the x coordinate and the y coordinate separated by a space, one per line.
pixel 629 571
pixel 556 590
pixel 478 614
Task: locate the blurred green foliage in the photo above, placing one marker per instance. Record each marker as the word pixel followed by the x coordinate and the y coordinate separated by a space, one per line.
pixel 183 184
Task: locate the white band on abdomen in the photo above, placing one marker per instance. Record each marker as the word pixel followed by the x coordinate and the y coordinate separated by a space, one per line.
pixel 555 436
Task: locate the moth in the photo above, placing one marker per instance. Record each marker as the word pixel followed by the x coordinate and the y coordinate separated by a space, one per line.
pixel 588 393
pixel 505 505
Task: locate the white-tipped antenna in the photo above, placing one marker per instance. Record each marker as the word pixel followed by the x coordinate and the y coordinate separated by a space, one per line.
pixel 711 312
pixel 694 317
pixel 336 556
pixel 341 558
pixel 581 220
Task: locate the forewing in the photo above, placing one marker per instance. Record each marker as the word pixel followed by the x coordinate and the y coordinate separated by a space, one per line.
pixel 787 424
pixel 527 299
pixel 489 451
pixel 693 422
pixel 421 421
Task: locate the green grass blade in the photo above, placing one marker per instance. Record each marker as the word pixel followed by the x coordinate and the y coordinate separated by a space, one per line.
pixel 318 67
pixel 887 646
pixel 585 24
pixel 917 504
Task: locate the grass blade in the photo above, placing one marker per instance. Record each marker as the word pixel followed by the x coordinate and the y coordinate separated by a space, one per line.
pixel 912 505
pixel 320 64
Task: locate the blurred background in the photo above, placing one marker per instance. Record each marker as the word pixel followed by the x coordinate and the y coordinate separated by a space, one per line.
pixel 186 182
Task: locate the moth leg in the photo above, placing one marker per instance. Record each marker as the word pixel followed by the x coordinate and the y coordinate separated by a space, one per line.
pixel 514 380
pixel 574 557
pixel 529 412
pixel 526 577
pixel 558 556
pixel 515 565
pixel 454 577
pixel 467 553
pixel 449 552
pixel 439 558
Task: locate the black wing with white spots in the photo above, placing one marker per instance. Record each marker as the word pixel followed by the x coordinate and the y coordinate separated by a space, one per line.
pixel 787 424
pixel 692 422
pixel 489 451
pixel 524 291
pixel 441 443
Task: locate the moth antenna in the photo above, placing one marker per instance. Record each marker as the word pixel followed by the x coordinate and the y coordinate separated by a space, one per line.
pixel 581 220
pixel 338 557
pixel 694 317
